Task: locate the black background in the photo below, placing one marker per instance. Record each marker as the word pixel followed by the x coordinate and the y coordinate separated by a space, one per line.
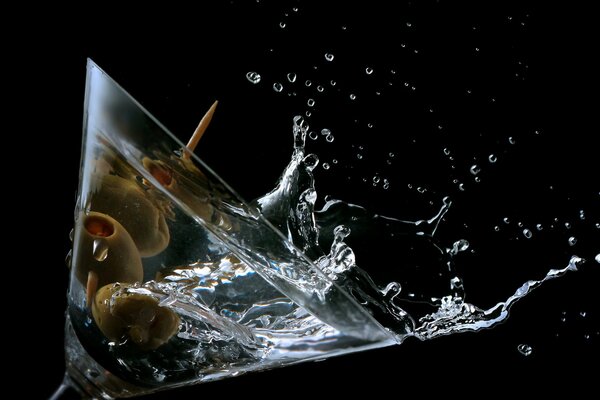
pixel 177 61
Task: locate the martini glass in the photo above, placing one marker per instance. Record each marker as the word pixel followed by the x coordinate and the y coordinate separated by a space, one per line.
pixel 176 280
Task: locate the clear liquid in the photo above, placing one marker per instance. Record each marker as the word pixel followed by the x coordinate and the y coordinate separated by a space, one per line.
pixel 233 320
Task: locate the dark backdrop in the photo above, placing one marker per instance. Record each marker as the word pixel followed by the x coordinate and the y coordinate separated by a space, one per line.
pixel 177 61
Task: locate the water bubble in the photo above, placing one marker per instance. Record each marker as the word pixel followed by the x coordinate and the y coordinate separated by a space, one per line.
pixel 475 169
pixel 278 87
pixel 572 241
pixel 100 249
pixel 308 83
pixel 525 349
pixel 329 56
pixel 282 24
pixel 310 102
pixel 352 96
pixel 492 158
pixel 253 77
pixel 527 233
pixel 325 166
pixel 291 77
pixel 320 89
pixel 369 70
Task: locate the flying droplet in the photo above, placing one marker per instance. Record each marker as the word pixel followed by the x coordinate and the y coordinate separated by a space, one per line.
pixel 329 138
pixel 506 220
pixel 253 77
pixel 525 349
pixel 369 70
pixel 320 89
pixel 527 233
pixel 278 87
pixel 359 156
pixel 581 215
pixel 539 227
pixel 352 96
pixel 567 225
pixel 291 77
pixel 475 169
pixel 282 24
pixel 376 179
pixel 597 258
pixel 313 135
pixel 511 140
pixel 446 151
pixel 307 83
pixel 572 241
pixel 100 249
pixel 325 166
pixel 332 83
pixel 458 246
pixel 329 56
pixel 492 158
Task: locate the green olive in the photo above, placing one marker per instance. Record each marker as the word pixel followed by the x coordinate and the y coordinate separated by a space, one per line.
pixel 104 247
pixel 125 201
pixel 199 204
pixel 118 312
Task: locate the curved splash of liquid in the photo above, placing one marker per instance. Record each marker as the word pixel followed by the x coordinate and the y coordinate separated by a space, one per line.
pixel 291 207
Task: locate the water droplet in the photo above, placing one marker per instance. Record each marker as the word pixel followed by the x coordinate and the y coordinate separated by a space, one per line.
pixel 539 227
pixel 325 132
pixel 581 215
pixel 310 102
pixel 583 314
pixel 295 9
pixel 278 87
pixel 329 138
pixel 446 151
pixel 391 155
pixel 320 89
pixel 511 140
pixel 308 83
pixel 376 179
pixel 421 190
pixel 568 225
pixel 520 224
pixel 253 77
pixel 527 233
pixel 458 246
pixel 282 24
pixel 329 56
pixel 597 258
pixel 597 225
pixel 352 96
pixel 475 169
pixel 291 77
pixel 71 234
pixel 335 161
pixel 572 241
pixel 308 113
pixel 325 166
pixel 497 228
pixel 525 349
pixel 313 135
pixel 369 125
pixel 369 70
pixel 506 220
pixel 332 83
pixel 359 156
pixel 461 187
pixel 100 249
pixel 408 24
pixel 492 158
pixel 477 179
